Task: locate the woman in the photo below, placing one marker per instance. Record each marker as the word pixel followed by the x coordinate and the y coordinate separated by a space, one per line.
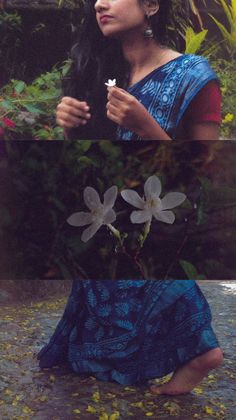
pixel 130 331
pixel 160 93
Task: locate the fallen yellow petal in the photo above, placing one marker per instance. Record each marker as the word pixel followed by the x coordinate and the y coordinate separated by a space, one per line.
pixel 76 411
pixel 138 404
pixel 91 409
pixel 208 410
pixel 96 397
pixel 114 416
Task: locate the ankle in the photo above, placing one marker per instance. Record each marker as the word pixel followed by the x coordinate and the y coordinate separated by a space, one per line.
pixel 207 361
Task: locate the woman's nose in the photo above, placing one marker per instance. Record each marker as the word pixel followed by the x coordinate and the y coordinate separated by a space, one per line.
pixel 101 5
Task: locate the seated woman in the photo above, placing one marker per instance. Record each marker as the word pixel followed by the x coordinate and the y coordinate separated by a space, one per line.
pixel 160 94
pixel 130 331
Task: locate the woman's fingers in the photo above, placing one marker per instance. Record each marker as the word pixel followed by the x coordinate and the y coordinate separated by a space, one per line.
pixel 72 113
pixel 65 110
pixel 76 112
pixel 114 104
pixel 118 93
pixel 75 103
pixel 66 119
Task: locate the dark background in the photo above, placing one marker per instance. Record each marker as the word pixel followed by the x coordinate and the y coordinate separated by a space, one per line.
pixel 42 185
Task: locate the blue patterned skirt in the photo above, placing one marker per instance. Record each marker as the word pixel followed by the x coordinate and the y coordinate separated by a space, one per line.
pixel 130 331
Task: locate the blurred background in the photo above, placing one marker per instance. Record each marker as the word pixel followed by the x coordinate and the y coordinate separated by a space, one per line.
pixel 42 184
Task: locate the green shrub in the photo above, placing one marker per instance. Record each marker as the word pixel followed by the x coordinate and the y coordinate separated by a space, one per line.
pixel 31 108
pixel 226 71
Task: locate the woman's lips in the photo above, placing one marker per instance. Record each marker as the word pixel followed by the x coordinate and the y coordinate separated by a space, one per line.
pixel 105 18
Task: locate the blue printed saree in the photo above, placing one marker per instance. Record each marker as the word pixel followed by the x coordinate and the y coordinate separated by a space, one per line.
pixel 167 92
pixel 130 331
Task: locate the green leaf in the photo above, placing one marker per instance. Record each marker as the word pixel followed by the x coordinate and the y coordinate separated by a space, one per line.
pixel 194 41
pixel 189 269
pixel 85 145
pixel 7 105
pixel 20 86
pixel 33 109
pixel 202 216
pixel 86 161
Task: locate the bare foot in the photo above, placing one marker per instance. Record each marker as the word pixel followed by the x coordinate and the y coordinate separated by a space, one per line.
pixel 189 375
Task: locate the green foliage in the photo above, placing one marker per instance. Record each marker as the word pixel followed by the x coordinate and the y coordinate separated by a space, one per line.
pixel 10 20
pixel 226 71
pixel 194 41
pixel 10 31
pixel 71 3
pixel 229 35
pixel 32 107
pixel 191 271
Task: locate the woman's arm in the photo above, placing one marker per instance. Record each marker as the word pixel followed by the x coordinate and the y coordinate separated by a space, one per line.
pixel 204 131
pixel 202 118
pixel 151 130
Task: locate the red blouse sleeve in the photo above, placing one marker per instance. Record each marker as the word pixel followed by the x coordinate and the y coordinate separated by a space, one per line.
pixel 206 106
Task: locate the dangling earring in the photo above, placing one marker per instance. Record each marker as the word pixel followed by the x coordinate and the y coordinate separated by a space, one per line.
pixel 148 32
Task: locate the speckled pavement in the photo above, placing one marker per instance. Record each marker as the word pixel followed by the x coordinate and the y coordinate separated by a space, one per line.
pixel 27 393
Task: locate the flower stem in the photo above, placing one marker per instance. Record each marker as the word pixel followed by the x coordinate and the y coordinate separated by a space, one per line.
pixel 146 231
pixel 123 249
pixel 116 233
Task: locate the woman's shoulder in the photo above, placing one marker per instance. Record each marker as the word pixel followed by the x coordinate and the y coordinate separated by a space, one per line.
pixel 195 67
pixel 196 61
pixel 190 64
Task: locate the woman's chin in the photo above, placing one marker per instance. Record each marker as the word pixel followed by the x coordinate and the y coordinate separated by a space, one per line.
pixel 111 34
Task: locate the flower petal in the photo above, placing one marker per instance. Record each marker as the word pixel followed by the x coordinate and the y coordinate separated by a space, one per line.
pixel 172 200
pixel 111 82
pixel 109 217
pixel 91 198
pixel 133 198
pixel 152 187
pixel 80 218
pixel 90 231
pixel 140 216
pixel 110 197
pixel 164 216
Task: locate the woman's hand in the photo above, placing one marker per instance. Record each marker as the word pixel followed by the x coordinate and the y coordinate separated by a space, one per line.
pixel 125 110
pixel 72 113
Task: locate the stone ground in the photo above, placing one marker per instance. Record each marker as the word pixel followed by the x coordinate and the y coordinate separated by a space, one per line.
pixel 27 393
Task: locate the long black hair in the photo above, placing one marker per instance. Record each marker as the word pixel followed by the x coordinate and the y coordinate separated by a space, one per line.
pixel 95 59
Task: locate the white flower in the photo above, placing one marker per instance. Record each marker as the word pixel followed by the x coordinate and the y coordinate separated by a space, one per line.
pixel 153 205
pixel 111 83
pixel 100 214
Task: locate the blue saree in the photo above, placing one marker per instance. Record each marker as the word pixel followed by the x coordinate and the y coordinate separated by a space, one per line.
pixel 130 331
pixel 167 92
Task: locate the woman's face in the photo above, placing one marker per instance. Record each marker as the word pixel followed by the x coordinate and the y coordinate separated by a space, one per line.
pixel 116 18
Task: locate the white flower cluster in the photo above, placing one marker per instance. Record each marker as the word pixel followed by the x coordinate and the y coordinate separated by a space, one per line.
pixel 151 205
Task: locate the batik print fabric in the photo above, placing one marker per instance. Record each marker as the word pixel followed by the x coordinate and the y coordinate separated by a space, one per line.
pixel 167 92
pixel 130 331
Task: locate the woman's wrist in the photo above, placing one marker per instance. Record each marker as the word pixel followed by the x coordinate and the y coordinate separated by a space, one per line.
pixel 151 130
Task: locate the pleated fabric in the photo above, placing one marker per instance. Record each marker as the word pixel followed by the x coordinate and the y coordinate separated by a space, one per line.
pixel 130 331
